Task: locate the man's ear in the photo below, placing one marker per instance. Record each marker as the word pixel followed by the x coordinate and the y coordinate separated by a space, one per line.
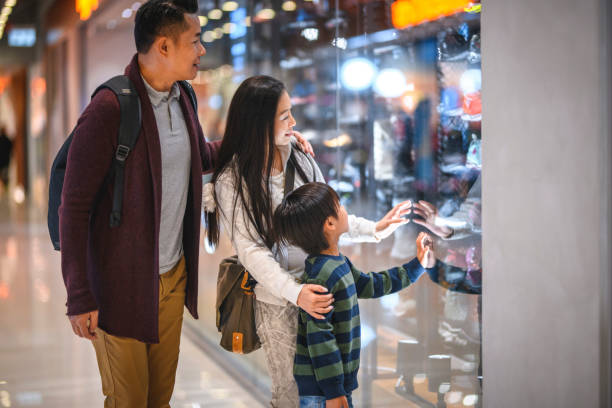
pixel 162 44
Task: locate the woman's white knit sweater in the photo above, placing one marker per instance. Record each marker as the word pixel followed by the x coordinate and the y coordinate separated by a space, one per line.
pixel 276 271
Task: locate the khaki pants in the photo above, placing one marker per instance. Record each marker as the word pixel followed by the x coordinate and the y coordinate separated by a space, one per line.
pixel 277 331
pixel 138 375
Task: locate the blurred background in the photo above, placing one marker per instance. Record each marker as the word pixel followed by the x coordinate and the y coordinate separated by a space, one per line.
pixel 389 93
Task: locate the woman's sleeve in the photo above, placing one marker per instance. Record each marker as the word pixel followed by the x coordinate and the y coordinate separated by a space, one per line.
pixel 253 254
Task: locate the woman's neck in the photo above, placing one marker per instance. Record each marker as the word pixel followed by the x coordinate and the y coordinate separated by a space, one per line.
pixel 277 164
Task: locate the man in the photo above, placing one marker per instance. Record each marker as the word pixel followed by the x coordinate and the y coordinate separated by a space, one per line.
pixel 127 285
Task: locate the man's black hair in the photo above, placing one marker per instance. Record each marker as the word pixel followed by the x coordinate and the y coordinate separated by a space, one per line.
pixel 300 218
pixel 161 18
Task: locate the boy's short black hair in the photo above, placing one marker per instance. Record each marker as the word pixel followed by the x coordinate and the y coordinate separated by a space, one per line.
pixel 299 219
pixel 161 18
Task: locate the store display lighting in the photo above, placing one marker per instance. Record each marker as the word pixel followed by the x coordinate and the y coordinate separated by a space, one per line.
pixel 229 28
pixel 390 83
pixel 266 14
pixel 208 37
pixel 247 21
pixel 342 140
pixel 471 81
pixel 6 11
pixel 470 400
pixel 357 74
pixel 311 34
pixel 10 3
pixel 215 14
pixel 289 5
pixel 238 49
pixel 218 33
pixel 230 6
pixel 203 20
pixel 340 42
pixel 127 13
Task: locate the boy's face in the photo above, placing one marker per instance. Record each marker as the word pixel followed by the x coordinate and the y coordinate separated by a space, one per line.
pixel 342 220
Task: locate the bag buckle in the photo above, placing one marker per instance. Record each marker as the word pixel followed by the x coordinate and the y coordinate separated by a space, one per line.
pixel 122 153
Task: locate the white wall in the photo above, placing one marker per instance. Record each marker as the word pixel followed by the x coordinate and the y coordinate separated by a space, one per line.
pixel 546 204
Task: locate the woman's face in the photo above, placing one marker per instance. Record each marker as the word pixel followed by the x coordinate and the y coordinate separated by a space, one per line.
pixel 284 122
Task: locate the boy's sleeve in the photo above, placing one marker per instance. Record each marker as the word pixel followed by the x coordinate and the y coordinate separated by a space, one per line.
pixel 377 284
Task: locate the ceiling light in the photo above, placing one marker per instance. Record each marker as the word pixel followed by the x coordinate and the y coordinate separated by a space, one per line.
pixel 10 3
pixel 127 13
pixel 203 20
pixel 218 33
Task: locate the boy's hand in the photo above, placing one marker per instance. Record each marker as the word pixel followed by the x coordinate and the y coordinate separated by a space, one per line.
pixel 425 250
pixel 339 402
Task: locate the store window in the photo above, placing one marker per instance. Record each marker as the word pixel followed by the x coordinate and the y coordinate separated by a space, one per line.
pixel 389 94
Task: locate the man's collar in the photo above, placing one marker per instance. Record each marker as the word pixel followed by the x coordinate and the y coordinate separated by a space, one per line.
pixel 158 97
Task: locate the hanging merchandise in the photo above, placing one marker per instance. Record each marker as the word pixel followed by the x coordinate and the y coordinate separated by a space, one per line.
pixel 474 155
pixel 472 107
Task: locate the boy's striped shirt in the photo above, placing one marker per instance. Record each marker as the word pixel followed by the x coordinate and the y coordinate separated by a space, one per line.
pixel 327 354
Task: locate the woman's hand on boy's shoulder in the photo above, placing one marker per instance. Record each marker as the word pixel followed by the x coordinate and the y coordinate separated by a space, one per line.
pixel 315 300
pixel 339 402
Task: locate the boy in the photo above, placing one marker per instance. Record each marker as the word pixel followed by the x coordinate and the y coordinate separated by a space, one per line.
pixel 327 354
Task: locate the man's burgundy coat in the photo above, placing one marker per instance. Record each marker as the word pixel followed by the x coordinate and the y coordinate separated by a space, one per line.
pixel 116 270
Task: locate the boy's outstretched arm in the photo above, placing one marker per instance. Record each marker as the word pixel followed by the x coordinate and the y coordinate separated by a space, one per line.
pixel 377 284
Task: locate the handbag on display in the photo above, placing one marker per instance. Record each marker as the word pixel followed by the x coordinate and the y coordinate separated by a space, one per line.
pixel 235 293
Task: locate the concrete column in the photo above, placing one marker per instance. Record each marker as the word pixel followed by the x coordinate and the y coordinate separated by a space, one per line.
pixel 546 203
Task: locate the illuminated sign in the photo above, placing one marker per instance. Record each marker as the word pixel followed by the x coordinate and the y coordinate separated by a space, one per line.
pixel 21 37
pixel 85 8
pixel 407 13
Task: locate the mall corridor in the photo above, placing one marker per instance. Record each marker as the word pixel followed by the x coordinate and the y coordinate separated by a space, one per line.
pixel 42 363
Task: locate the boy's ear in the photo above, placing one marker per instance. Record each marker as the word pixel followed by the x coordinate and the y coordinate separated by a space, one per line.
pixel 330 224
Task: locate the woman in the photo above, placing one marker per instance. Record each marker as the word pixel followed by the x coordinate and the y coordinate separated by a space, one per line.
pixel 248 186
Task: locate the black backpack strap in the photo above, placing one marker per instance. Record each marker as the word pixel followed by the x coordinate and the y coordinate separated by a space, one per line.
pixel 129 128
pixel 289 175
pixel 192 96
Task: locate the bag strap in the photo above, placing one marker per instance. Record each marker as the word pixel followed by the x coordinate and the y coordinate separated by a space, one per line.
pixel 192 96
pixel 292 166
pixel 129 128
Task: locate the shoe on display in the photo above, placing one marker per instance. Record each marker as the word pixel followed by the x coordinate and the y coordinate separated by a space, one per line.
pixel 450 102
pixel 472 107
pixel 474 53
pixel 452 46
pixel 473 159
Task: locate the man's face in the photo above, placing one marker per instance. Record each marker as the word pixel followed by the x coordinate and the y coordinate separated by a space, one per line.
pixel 185 50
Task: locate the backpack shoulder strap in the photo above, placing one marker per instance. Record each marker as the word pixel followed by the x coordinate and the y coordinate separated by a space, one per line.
pixel 129 128
pixel 192 96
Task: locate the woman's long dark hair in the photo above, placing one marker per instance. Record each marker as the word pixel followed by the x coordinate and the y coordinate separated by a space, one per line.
pixel 247 152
